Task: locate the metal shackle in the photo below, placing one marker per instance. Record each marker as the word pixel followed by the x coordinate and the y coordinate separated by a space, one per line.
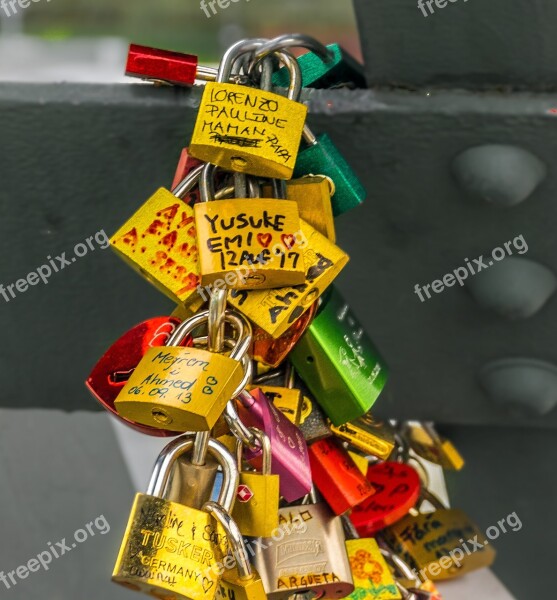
pixel 293 68
pixel 158 486
pixel 188 183
pixel 235 538
pixel 235 52
pixel 294 40
pixel 265 443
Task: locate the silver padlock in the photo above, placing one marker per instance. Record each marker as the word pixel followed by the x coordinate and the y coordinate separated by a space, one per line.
pixel 305 560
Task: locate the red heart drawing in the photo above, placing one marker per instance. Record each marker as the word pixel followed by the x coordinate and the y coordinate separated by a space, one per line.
pixel 264 239
pixel 289 240
pixel 397 491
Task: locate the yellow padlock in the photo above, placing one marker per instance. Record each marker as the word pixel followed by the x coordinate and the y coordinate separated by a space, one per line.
pixel 288 399
pixel 171 550
pixel 257 502
pixel 160 243
pixel 312 194
pixel 185 389
pixel 248 243
pixel 276 310
pixel 248 130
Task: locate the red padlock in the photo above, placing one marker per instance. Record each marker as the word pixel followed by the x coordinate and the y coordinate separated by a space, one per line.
pixel 272 351
pixel 117 364
pixel 186 165
pixel 161 65
pixel 337 477
pixel 398 489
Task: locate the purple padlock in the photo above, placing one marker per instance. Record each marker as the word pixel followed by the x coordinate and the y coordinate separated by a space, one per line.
pixel 290 457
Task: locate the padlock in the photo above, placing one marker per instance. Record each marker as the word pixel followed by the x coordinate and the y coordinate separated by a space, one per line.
pixel 248 243
pixel 115 367
pixel 435 544
pixel 161 65
pixel 337 477
pixel 249 130
pixel 314 425
pixel 275 311
pixel 287 398
pixel 185 389
pixel 160 243
pixel 257 502
pixel 309 559
pixel 323 157
pixel 341 70
pixel 241 581
pixel 186 164
pixel 337 360
pixel 427 443
pixel 170 550
pixel 272 352
pixel 397 488
pixel 368 435
pixel 289 456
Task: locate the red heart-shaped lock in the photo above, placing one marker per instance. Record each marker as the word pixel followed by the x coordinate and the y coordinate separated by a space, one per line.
pixel 116 365
pixel 397 488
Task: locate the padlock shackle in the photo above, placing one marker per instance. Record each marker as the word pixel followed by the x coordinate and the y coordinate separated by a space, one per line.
pixel 233 53
pixel 188 183
pixel 265 443
pixel 235 538
pixel 293 68
pixel 295 40
pixel 158 486
pixel 216 320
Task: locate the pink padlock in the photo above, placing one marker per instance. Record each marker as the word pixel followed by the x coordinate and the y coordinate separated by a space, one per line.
pixel 290 456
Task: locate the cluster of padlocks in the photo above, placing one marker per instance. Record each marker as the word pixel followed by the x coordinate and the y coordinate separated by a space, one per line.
pixel 280 483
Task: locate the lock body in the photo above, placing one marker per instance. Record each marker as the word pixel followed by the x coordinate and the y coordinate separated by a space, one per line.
pixel 160 243
pixel 342 69
pixel 337 477
pixel 311 558
pixel 426 541
pixel 256 506
pixel 339 363
pixel 371 574
pixel 183 389
pixel 170 550
pixel 115 367
pixel 248 130
pixel 324 158
pixel 250 244
pixel 314 425
pixel 275 311
pixel 233 587
pixel 161 65
pixel 367 435
pixel 430 446
pixel 397 488
pixel 288 401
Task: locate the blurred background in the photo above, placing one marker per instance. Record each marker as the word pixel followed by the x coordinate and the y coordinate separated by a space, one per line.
pixel 86 40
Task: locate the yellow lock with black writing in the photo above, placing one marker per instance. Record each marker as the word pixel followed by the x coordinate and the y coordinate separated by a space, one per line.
pixel 276 310
pixel 257 503
pixel 181 388
pixel 248 243
pixel 171 550
pixel 160 243
pixel 249 130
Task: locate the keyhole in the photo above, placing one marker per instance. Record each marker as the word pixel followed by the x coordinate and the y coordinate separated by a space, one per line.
pixel 239 163
pixel 161 416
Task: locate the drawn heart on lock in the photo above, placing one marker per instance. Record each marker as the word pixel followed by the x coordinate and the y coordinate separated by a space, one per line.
pixel 397 488
pixel 288 240
pixel 205 582
pixel 264 239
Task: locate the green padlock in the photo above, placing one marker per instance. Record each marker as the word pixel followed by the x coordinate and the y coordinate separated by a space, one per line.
pixel 339 363
pixel 341 70
pixel 322 156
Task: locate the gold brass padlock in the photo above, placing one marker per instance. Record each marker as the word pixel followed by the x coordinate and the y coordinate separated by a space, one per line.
pixel 312 194
pixel 257 503
pixel 276 310
pixel 368 435
pixel 185 389
pixel 249 130
pixel 171 550
pixel 287 398
pixel 160 243
pixel 434 543
pixel 427 443
pixel 248 243
pixel 240 581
